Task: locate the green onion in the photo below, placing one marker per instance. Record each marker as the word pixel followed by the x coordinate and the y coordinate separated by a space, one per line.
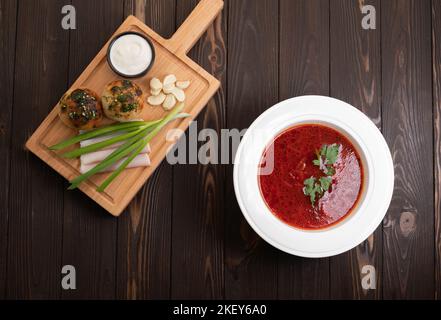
pixel 171 116
pixel 103 165
pixel 123 165
pixel 100 145
pixel 128 143
pixel 140 135
pixel 99 132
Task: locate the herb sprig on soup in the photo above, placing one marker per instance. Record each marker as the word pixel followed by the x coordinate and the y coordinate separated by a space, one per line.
pixel 317 177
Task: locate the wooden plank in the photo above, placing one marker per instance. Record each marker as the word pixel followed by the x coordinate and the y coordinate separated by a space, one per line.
pixel 356 79
pixel 436 71
pixel 253 50
pixel 303 69
pixel 36 193
pixel 157 14
pixel 408 247
pixel 197 251
pixel 89 234
pixel 144 233
pixel 8 16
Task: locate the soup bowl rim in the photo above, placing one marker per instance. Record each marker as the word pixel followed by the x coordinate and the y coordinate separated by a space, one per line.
pixel 377 166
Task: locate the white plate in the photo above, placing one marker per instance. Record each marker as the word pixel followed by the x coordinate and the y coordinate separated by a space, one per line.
pixel 378 176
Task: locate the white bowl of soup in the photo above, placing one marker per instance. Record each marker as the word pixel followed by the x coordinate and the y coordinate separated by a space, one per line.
pixel 313 176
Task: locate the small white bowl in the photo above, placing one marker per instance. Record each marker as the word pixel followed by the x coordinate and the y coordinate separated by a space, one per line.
pixel 378 176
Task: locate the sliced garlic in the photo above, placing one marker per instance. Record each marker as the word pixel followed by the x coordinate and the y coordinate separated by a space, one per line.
pixel 168 92
pixel 179 94
pixel 169 102
pixel 155 84
pixel 169 88
pixel 155 92
pixel 183 84
pixel 169 80
pixel 156 100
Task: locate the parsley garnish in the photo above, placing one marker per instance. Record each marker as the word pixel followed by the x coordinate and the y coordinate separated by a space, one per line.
pixel 326 158
pixel 311 189
pixel 315 189
pixel 129 107
pixel 123 98
pixel 78 96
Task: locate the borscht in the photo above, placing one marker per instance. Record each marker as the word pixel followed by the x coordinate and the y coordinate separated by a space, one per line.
pixel 317 176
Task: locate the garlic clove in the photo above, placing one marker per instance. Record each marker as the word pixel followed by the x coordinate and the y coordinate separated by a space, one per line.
pixel 169 88
pixel 169 102
pixel 183 84
pixel 155 84
pixel 156 100
pixel 169 80
pixel 179 94
pixel 155 92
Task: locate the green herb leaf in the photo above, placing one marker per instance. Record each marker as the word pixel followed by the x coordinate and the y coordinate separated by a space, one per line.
pixel 332 153
pixel 123 97
pixel 129 107
pixel 315 189
pixel 326 158
pixel 328 155
pixel 325 183
pixel 331 171
pixel 309 185
pixel 311 189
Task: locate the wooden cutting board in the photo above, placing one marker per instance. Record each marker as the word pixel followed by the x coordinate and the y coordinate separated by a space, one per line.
pixel 171 58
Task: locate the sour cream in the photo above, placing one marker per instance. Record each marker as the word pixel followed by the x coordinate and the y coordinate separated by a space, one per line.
pixel 131 55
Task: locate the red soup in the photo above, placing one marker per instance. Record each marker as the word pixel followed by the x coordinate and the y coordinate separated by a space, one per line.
pixel 317 176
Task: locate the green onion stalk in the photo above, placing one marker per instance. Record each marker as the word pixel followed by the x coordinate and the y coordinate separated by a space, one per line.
pixel 134 135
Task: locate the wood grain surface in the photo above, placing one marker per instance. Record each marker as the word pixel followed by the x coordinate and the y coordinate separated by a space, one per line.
pixel 36 193
pixel 303 69
pixel 250 263
pixel 198 219
pixel 144 230
pixel 408 249
pixel 356 78
pixel 89 235
pixel 8 16
pixel 183 236
pixel 436 70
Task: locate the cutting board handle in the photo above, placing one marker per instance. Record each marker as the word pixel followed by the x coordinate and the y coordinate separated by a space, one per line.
pixel 195 25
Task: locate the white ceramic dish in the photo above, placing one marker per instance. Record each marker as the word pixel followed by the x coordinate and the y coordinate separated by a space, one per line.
pixel 377 163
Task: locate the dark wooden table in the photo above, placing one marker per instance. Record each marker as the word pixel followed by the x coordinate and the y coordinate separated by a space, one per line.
pixel 184 236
